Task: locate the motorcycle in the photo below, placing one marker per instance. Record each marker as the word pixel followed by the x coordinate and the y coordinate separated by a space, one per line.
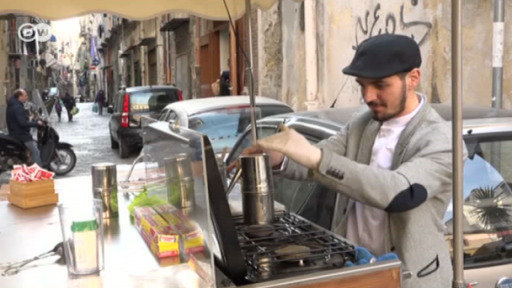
pixel 56 156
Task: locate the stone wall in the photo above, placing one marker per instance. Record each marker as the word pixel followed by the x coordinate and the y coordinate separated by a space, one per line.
pixel 342 25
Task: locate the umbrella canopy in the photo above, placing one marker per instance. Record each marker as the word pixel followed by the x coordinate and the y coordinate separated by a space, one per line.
pixel 215 10
pixel 138 10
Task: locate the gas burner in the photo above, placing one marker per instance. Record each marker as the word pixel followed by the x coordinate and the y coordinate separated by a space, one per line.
pixel 293 253
pixel 258 231
pixel 290 246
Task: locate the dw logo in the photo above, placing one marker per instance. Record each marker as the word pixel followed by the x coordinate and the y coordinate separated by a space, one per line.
pixel 29 32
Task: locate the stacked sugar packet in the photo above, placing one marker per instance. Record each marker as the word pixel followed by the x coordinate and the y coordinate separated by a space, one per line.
pixel 24 173
pixel 32 186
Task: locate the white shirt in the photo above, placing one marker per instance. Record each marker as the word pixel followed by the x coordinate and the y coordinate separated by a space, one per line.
pixel 368 226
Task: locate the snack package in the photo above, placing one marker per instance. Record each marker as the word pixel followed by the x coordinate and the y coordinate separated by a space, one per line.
pixel 190 232
pixel 158 235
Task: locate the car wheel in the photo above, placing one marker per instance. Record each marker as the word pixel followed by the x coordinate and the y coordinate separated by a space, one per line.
pixel 124 150
pixel 113 143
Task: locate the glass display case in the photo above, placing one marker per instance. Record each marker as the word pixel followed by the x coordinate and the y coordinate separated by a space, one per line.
pixel 176 183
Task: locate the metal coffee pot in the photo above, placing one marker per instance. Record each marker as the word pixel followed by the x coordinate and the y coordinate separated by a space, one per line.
pixel 180 180
pixel 257 188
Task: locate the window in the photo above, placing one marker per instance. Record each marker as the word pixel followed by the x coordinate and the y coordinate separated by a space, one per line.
pixel 487 201
pixel 222 126
pixel 152 101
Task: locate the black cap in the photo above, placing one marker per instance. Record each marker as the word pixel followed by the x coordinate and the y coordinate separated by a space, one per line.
pixel 384 55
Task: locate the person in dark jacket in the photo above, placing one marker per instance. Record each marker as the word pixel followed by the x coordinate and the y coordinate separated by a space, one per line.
pixel 19 124
pixel 69 103
pixel 100 100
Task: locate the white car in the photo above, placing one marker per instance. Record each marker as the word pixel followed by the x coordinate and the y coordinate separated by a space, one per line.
pixel 223 118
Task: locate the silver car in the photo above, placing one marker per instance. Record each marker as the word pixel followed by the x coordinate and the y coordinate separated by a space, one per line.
pixel 222 119
pixel 487 184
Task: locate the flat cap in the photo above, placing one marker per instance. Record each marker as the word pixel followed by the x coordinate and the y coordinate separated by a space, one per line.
pixel 384 55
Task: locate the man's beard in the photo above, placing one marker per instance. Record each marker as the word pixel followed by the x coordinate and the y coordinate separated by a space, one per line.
pixel 401 107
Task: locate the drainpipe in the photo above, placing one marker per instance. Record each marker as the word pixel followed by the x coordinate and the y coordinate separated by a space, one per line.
pixel 497 53
pixel 311 55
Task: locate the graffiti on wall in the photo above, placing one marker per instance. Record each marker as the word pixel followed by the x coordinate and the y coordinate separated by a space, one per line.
pixel 376 24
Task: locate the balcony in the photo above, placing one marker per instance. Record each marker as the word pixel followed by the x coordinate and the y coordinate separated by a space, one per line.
pixel 173 21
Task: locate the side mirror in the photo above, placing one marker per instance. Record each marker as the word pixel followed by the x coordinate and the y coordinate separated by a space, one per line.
pixel 110 109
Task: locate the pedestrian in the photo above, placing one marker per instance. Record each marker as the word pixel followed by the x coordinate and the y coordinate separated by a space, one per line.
pixel 69 103
pixel 100 100
pixel 391 164
pixel 19 124
pixel 58 106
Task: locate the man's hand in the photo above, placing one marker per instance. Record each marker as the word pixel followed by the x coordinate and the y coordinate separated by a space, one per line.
pixel 293 145
pixel 39 123
pixel 275 157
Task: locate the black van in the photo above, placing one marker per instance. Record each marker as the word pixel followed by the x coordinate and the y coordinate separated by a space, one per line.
pixel 128 106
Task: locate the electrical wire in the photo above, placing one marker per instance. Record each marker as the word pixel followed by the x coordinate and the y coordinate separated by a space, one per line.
pixel 339 92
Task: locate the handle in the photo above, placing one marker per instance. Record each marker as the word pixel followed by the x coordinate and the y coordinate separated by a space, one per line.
pixel 234 180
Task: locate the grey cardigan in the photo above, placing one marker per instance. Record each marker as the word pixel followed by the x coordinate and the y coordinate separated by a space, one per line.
pixel 415 191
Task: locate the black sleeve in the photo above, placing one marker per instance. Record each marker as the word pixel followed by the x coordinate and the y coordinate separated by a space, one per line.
pixel 22 120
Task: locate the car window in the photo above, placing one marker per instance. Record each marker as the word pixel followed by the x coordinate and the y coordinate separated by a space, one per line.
pixel 151 101
pixel 268 110
pixel 222 126
pixel 245 140
pixel 487 206
pixel 172 116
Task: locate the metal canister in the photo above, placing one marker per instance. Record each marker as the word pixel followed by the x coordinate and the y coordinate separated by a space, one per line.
pixel 178 166
pixel 180 181
pixel 104 187
pixel 257 189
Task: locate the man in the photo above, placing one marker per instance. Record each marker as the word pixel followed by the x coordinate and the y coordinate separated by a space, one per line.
pixel 69 103
pixel 100 100
pixel 391 163
pixel 19 125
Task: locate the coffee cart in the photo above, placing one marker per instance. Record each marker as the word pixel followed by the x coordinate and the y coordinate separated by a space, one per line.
pixel 241 253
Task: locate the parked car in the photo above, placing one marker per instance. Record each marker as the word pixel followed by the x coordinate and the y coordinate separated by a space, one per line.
pixel 487 181
pixel 129 105
pixel 222 119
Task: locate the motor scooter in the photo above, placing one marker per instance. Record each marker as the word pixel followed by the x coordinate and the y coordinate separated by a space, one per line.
pixel 56 156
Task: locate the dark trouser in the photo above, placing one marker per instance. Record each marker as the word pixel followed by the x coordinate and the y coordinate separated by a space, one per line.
pixel 100 108
pixel 70 116
pixel 32 146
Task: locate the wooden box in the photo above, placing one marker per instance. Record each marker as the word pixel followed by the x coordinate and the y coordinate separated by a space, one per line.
pixel 33 201
pixel 32 194
pixel 32 188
